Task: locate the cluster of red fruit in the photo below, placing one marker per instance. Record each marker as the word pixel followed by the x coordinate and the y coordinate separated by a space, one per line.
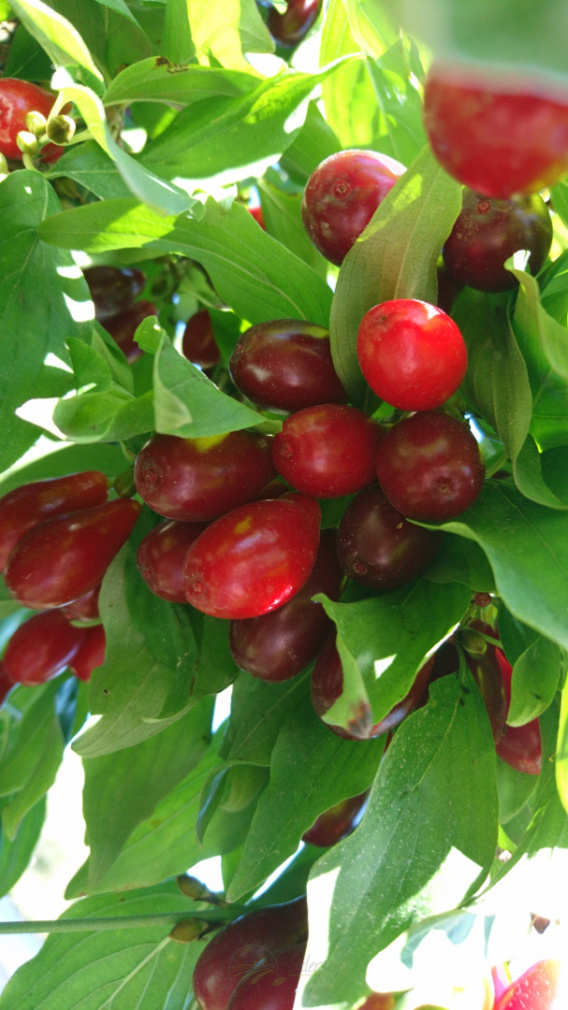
pixel 26 125
pixel 57 539
pixel 258 959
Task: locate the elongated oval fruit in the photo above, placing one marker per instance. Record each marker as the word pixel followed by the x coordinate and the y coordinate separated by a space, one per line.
pixel 91 652
pixel 42 647
pixel 161 555
pixel 337 822
pixel 253 559
pixel 31 504
pixel 238 946
pixel 279 645
pixel 199 479
pixel 63 558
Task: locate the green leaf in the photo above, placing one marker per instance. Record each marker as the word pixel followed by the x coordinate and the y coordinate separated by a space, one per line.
pixel 121 7
pixel 226 139
pixel 324 769
pixel 31 327
pixel 60 39
pixel 354 122
pixel 257 713
pixel 163 196
pixel 15 855
pixel 423 844
pixel 315 141
pixel 26 58
pixel 535 680
pixel 166 844
pixel 283 219
pixel 514 789
pixel 152 81
pixel 192 29
pixel 188 404
pixel 89 417
pixel 562 750
pixel 499 36
pixel 389 635
pixel 539 327
pixel 122 790
pixel 371 26
pixel 90 166
pixel 251 272
pixel 395 257
pixel 123 967
pixel 527 547
pixel 462 561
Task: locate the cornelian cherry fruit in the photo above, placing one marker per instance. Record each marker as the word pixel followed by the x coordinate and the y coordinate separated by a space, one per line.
pixel 161 555
pixel 17 98
pixel 411 353
pixel 42 647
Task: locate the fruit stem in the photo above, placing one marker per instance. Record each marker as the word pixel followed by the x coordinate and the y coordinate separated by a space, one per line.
pixel 218 915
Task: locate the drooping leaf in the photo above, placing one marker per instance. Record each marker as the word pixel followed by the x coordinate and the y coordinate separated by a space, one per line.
pixel 423 843
pixel 153 81
pixel 56 35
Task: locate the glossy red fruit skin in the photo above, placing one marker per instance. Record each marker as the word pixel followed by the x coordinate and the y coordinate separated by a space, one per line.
pixel 256 212
pixel 337 822
pixel 113 289
pixel 327 451
pixel 486 670
pixel 341 196
pixel 272 984
pixel 198 343
pixel 411 353
pixel 41 647
pixel 123 326
pixel 286 365
pixel 488 231
pixel 430 467
pixel 91 653
pixel 17 98
pixel 327 685
pixel 253 559
pixel 239 945
pixel 378 547
pixel 63 558
pixel 86 608
pixel 161 555
pixel 199 479
pixel 279 645
pixel 28 505
pixel 519 746
pixel 6 683
pixel 289 28
pixel 536 989
pixel 498 142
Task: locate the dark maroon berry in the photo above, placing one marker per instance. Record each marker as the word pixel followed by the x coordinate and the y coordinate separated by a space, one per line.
pixel 198 343
pixel 161 555
pixel 430 467
pixel 286 365
pixel 488 231
pixel 123 326
pixel 113 289
pixel 199 479
pixel 337 822
pixel 378 547
pixel 289 28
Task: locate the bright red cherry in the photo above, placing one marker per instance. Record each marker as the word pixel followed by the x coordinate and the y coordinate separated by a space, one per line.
pixel 286 365
pixel 378 547
pixel 337 822
pixel 113 289
pixel 411 353
pixel 63 558
pixel 198 343
pixel 537 989
pixel 123 326
pixel 17 98
pixel 500 141
pixel 430 467
pixel 31 504
pixel 289 28
pixel 488 231
pixel 91 652
pixel 199 479
pixel 253 559
pixel 42 647
pixel 327 451
pixel 327 686
pixel 238 946
pixel 279 645
pixel 161 555
pixel 341 196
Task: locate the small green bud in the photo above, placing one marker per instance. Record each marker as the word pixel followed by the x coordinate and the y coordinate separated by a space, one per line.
pixel 60 129
pixel 473 642
pixel 188 929
pixel 27 142
pixel 36 123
